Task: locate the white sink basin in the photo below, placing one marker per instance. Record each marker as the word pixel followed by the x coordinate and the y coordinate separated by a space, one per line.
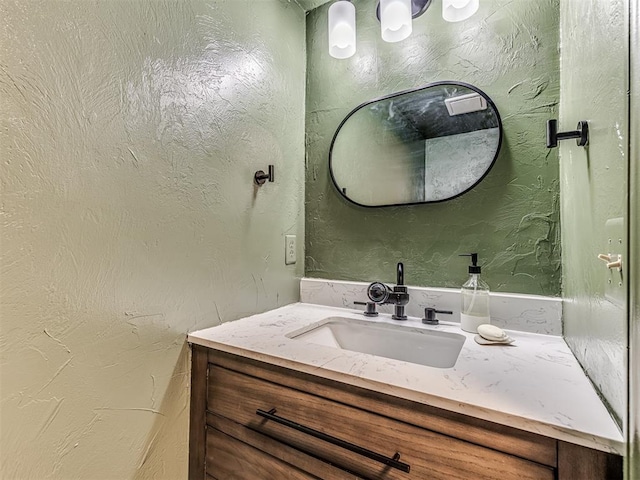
pixel 409 344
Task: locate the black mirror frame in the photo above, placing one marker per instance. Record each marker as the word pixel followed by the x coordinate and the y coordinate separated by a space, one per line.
pixel 403 92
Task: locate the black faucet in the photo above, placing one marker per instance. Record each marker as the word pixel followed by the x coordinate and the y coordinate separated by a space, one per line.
pixel 398 296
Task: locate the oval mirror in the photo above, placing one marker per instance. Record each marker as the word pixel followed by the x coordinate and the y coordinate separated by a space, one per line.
pixel 424 145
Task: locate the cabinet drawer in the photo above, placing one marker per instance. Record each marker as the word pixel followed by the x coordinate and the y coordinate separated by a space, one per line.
pixel 430 455
pixel 287 454
pixel 530 446
pixel 228 458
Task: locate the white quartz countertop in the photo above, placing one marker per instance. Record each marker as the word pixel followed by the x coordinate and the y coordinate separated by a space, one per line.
pixel 535 384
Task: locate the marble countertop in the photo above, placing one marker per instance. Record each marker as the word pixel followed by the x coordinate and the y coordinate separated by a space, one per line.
pixel 535 384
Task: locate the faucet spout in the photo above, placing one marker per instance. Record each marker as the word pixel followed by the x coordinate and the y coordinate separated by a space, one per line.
pixel 400 294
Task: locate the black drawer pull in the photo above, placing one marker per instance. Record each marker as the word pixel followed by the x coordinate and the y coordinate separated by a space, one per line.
pixel 392 462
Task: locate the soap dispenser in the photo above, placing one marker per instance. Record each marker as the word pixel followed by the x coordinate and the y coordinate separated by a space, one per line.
pixel 474 309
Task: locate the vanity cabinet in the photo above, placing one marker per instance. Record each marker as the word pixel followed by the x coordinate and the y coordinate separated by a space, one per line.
pixel 253 420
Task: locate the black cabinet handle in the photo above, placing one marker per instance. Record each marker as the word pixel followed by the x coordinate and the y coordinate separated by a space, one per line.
pixel 393 462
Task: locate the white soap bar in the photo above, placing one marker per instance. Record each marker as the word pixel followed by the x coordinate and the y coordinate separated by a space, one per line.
pixel 491 332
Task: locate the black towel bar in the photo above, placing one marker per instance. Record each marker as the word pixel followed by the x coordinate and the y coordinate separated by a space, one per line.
pixel 393 462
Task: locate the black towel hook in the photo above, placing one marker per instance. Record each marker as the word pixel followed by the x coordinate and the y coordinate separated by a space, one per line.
pixel 581 134
pixel 260 177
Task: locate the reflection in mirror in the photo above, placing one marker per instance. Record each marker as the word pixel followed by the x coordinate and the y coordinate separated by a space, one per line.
pixel 425 145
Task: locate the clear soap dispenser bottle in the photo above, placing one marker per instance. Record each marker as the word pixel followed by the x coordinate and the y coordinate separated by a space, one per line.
pixel 475 298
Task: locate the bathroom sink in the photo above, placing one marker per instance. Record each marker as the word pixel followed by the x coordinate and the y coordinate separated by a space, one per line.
pixel 409 344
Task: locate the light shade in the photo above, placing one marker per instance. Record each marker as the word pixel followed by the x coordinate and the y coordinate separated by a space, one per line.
pixel 458 10
pixel 395 19
pixel 342 29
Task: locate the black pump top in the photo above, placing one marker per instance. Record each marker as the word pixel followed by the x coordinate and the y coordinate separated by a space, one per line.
pixel 474 268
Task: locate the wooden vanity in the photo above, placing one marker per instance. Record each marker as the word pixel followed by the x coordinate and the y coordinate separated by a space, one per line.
pixel 256 421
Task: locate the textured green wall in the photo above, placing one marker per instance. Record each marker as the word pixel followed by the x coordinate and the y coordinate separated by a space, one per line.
pixel 633 460
pixel 131 131
pixel 509 49
pixel 594 81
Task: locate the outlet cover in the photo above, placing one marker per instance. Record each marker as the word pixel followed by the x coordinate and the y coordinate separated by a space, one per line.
pixel 614 286
pixel 290 249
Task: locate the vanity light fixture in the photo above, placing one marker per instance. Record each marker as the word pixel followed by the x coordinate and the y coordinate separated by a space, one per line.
pixel 396 20
pixel 342 29
pixel 459 10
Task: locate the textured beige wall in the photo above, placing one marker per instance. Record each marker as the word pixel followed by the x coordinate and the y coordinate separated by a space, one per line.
pixel 130 134
pixel 594 83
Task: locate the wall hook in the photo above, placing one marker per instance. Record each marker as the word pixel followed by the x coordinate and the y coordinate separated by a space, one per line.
pixel 260 177
pixel 581 134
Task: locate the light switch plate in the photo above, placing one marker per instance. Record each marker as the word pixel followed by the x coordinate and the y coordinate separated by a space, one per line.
pixel 289 249
pixel 615 289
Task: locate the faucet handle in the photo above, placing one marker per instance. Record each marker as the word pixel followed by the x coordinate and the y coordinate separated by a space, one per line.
pixel 370 311
pixel 430 315
pixel 378 292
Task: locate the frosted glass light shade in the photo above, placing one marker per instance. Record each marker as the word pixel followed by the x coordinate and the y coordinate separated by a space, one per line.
pixel 458 10
pixel 342 29
pixel 395 19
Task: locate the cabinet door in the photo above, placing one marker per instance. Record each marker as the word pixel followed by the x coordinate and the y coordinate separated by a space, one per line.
pixel 228 458
pixel 290 455
pixel 430 455
pixel 580 463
